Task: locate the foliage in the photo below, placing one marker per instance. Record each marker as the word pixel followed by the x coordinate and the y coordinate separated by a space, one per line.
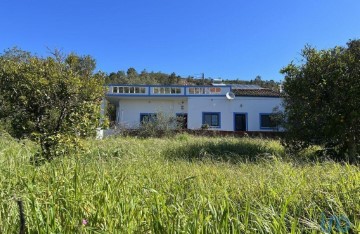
pixel 147 78
pixel 131 73
pixel 270 84
pixel 160 78
pixel 53 100
pixel 205 126
pixel 163 125
pixel 131 185
pixel 277 117
pixel 110 113
pixel 322 100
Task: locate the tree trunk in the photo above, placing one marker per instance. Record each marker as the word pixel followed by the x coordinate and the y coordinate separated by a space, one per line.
pixel 352 148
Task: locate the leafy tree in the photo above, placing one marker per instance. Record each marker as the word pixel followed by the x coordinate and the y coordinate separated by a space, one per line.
pixel 322 100
pixel 53 100
pixel 131 73
pixel 161 78
pixel 83 65
pixel 277 118
pixel 116 78
pixel 258 80
pixel 173 79
pixel 147 78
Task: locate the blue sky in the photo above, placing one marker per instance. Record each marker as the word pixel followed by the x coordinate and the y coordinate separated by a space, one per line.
pixel 227 39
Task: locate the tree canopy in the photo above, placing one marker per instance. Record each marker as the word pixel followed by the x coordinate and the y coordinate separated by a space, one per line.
pixel 159 78
pixel 53 100
pixel 322 101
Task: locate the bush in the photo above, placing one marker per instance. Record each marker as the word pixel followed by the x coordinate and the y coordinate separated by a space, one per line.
pixel 164 125
pixel 53 100
pixel 322 101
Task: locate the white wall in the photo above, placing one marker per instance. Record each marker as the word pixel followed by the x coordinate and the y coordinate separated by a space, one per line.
pixel 252 106
pixel 129 110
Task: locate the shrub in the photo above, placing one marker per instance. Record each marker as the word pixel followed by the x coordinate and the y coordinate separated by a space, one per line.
pixel 53 100
pixel 163 125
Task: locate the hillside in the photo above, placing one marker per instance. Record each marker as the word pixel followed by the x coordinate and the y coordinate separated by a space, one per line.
pixel 160 78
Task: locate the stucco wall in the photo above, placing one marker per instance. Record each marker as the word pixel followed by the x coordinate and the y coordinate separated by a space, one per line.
pixel 129 110
pixel 251 106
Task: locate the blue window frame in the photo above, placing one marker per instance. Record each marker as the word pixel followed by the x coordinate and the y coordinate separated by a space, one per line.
pixel 213 119
pixel 147 117
pixel 266 122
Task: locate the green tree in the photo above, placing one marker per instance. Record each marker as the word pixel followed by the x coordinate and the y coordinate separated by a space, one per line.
pixel 173 79
pixel 277 118
pixel 258 80
pixel 132 73
pixel 322 100
pixel 82 65
pixel 53 100
pixel 116 78
pixel 146 78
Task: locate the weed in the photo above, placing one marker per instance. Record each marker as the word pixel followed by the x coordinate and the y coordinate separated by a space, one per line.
pixel 185 184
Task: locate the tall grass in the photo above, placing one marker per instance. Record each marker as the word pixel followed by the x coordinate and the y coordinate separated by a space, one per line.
pixel 185 184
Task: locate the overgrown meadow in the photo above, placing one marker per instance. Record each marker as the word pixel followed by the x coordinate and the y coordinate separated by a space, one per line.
pixel 185 184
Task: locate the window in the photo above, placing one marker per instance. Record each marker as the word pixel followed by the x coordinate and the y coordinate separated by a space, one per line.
pixel 197 90
pixel 215 90
pixel 166 90
pixel 266 121
pixel 129 89
pixel 204 90
pixel 147 117
pixel 212 119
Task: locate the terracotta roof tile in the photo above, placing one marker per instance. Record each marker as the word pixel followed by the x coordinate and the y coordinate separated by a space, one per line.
pixel 256 92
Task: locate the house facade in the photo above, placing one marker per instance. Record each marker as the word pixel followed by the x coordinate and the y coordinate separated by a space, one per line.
pixel 218 107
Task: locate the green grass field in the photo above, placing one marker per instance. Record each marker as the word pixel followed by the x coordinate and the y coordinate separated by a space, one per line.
pixel 185 184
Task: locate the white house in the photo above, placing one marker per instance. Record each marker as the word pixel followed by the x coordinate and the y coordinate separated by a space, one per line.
pixel 221 107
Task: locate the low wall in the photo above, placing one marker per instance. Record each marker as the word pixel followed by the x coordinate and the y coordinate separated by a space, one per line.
pixel 265 134
pixel 134 132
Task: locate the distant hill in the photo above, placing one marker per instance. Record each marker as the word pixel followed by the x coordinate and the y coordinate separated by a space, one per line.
pixel 131 76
